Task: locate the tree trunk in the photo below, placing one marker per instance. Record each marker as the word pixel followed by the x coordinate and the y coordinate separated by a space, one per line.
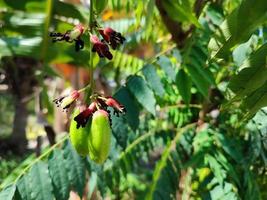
pixel 18 138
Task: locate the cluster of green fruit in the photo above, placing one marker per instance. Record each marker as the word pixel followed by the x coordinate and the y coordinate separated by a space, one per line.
pixel 90 127
pixel 94 138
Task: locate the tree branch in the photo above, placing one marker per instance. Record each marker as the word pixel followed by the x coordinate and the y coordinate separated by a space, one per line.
pixel 179 35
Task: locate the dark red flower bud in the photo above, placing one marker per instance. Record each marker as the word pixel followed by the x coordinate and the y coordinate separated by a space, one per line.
pixel 85 115
pixel 100 47
pixel 66 101
pixel 112 37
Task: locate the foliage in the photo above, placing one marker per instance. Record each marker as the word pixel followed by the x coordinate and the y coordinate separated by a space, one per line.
pixel 195 126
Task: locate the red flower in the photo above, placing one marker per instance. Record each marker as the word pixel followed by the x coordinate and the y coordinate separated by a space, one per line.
pixel 113 38
pixel 105 102
pixel 100 47
pixel 118 108
pixel 66 101
pixel 85 115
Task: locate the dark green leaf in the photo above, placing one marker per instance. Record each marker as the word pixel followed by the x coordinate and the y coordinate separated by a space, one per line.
pixel 76 169
pixel 120 130
pixel 153 79
pixel 24 186
pixel 132 109
pixel 167 66
pixel 41 183
pixel 201 83
pixel 25 5
pixel 59 174
pixel 71 10
pixel 184 84
pixel 255 101
pixel 142 93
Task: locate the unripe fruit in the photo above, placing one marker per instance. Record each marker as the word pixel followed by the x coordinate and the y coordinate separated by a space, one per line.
pixel 99 137
pixel 79 137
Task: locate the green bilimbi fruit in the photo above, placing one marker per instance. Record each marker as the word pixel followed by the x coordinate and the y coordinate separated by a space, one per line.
pixel 79 137
pixel 99 137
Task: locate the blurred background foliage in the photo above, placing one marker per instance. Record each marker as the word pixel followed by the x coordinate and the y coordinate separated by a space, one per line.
pixel 192 76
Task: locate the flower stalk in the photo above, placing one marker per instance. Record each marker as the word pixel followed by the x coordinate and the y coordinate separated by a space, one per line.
pixel 91 67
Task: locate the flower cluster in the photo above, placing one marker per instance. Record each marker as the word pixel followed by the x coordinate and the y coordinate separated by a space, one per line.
pixel 98 103
pixel 110 37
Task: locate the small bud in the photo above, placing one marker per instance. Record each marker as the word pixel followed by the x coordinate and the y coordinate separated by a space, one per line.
pixel 70 36
pixel 76 32
pixel 66 101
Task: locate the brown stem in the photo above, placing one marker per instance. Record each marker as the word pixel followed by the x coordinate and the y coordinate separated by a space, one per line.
pixel 179 35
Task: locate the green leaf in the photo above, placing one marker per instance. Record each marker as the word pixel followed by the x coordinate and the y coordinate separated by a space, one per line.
pixel 28 24
pixel 242 52
pixel 153 79
pixel 92 184
pixel 201 83
pixel 25 5
pixel 76 169
pixel 252 187
pixel 184 84
pixel 59 174
pixel 216 168
pixel 71 11
pixel 41 188
pixel 132 109
pixel 24 186
pixel 223 192
pixel 180 11
pixel 8 193
pixel 255 101
pixel 235 30
pixel 128 63
pixel 100 5
pixel 230 146
pixel 142 93
pixel 119 128
pixel 167 171
pixel 252 76
pixel 227 166
pixel 167 66
pixel 20 46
